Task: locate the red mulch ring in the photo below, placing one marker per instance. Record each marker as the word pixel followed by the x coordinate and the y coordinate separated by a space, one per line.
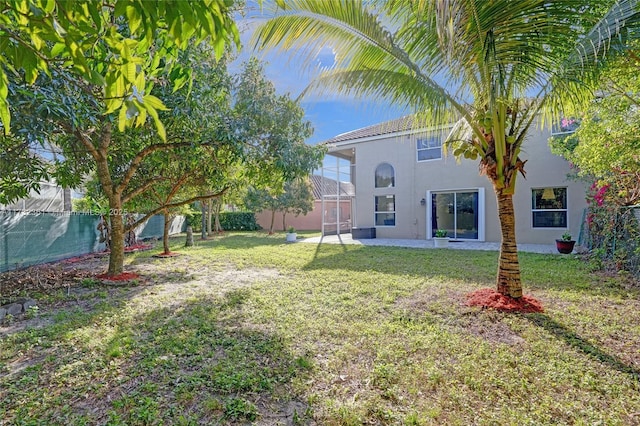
pixel 129 249
pixel 137 247
pixel 170 254
pixel 489 298
pixel 125 276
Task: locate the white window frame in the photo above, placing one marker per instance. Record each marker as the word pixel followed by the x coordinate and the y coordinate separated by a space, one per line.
pixel 565 210
pixel 429 137
pixel 393 176
pixel 376 212
pixel 481 210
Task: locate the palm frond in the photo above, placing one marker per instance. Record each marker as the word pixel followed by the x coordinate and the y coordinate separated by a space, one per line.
pixel 445 55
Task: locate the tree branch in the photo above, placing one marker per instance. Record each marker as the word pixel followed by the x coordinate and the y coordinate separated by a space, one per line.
pixel 137 160
pixel 140 189
pixel 172 205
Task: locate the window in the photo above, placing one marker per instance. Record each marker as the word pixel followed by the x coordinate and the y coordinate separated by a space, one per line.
pixel 549 207
pixel 385 210
pixel 429 147
pixel 385 176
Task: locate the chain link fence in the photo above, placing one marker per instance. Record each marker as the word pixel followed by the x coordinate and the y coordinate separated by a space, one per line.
pixel 613 237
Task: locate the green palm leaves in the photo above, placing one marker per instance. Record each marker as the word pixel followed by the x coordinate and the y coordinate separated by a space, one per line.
pixel 496 67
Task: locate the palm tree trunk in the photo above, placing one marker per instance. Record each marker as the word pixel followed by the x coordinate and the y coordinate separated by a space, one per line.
pixel 508 280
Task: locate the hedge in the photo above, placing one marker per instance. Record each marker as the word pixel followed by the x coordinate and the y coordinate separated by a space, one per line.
pixel 230 221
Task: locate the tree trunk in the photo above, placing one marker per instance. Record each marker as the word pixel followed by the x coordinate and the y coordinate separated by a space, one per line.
pixel 165 232
pixel 284 223
pixel 203 221
pixel 116 247
pixel 189 242
pixel 508 280
pixel 217 226
pixel 273 218
pixel 209 214
pixel 66 200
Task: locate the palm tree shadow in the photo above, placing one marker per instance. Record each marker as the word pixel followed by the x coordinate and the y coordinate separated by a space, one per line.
pixel 574 340
pixel 316 254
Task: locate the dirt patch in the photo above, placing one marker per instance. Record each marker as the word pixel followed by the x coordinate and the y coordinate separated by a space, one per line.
pixel 451 311
pixel 496 332
pixel 169 254
pixel 176 279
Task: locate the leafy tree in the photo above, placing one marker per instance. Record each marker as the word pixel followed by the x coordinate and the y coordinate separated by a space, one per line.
pixel 272 130
pixel 198 168
pixel 606 145
pixel 117 46
pixel 181 177
pixel 296 198
pixel 258 200
pixel 101 61
pixel 498 66
pixel 126 164
pixel 21 170
pixel 268 124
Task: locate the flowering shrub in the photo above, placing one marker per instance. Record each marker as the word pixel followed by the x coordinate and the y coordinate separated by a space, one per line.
pixel 567 125
pixel 613 231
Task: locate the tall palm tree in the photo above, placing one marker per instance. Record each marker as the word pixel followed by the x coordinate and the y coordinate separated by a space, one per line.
pixel 497 67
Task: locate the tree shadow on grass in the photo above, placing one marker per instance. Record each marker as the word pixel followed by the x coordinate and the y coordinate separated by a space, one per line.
pixel 539 271
pixel 453 264
pixel 574 340
pixel 204 360
pixel 193 361
pixel 242 240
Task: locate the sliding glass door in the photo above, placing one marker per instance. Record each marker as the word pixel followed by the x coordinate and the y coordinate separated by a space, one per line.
pixel 458 212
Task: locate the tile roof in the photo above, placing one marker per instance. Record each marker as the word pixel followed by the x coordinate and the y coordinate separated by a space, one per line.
pixel 327 186
pixel 398 125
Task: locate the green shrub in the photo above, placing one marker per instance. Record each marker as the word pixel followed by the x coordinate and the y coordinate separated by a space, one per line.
pixel 230 221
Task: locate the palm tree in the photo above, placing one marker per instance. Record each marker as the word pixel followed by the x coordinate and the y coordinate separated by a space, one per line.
pixel 497 67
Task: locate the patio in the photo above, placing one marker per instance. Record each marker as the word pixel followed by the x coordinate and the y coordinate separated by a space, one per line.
pixel 427 244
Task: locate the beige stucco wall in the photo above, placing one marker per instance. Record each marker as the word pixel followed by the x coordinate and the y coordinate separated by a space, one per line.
pixel 413 179
pixel 312 221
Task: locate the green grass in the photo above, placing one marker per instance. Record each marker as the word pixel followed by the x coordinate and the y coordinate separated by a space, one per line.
pixel 247 329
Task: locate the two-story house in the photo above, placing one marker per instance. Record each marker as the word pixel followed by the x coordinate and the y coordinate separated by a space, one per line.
pixel 406 186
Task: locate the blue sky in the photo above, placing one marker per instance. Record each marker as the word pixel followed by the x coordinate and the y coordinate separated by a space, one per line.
pixel 330 116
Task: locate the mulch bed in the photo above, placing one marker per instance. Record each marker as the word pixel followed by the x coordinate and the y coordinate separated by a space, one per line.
pixel 48 277
pixel 138 247
pixel 124 276
pixel 42 278
pixel 490 298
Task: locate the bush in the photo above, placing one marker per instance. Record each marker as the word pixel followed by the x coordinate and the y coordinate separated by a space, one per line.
pixel 613 235
pixel 230 221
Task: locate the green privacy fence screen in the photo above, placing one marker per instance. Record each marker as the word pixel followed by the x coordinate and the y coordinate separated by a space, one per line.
pixel 29 238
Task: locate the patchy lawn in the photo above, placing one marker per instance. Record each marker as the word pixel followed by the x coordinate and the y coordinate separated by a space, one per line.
pixel 246 329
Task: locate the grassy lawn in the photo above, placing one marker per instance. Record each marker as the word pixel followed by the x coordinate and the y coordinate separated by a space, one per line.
pixel 245 329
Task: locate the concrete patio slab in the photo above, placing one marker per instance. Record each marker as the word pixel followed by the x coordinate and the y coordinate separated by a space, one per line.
pixel 426 244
